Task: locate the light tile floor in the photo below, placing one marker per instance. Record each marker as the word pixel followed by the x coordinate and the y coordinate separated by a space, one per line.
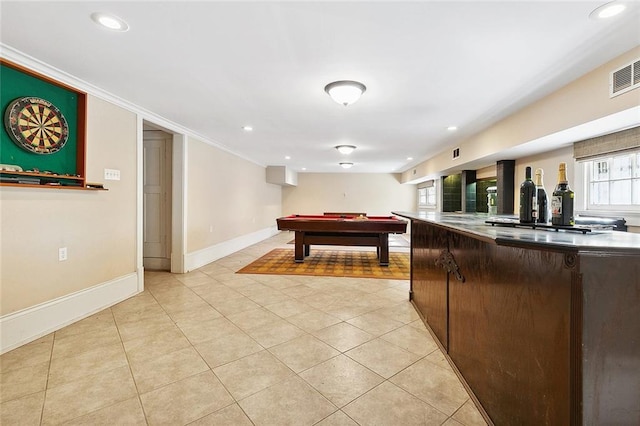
pixel 212 347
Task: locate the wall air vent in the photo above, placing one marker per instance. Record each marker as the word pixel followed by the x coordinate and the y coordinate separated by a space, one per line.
pixel 624 79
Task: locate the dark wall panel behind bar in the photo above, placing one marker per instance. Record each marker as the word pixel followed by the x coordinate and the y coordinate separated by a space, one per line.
pixel 506 185
pixel 452 193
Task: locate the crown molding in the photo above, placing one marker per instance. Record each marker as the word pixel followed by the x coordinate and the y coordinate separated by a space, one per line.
pixel 22 59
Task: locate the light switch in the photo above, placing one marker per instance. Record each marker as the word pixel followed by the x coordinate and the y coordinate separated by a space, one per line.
pixel 111 174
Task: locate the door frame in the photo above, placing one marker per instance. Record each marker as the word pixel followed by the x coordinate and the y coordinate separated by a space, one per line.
pixel 178 198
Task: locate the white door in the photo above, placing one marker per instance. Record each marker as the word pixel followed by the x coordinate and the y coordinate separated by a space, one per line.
pixel 157 200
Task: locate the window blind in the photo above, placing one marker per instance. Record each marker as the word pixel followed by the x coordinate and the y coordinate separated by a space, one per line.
pixel 602 145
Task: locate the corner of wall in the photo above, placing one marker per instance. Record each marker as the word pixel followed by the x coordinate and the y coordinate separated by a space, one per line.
pixel 199 258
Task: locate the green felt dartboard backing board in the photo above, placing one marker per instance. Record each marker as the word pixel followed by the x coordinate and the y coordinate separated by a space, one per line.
pixel 17 84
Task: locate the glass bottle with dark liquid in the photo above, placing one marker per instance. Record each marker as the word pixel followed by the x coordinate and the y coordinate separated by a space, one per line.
pixel 528 199
pixel 562 200
pixel 544 212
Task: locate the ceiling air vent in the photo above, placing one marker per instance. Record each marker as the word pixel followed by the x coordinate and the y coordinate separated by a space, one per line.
pixel 624 79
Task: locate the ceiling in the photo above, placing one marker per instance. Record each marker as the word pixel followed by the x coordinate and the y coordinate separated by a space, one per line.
pixel 214 67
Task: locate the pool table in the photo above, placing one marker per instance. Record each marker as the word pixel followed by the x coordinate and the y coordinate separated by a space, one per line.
pixel 344 230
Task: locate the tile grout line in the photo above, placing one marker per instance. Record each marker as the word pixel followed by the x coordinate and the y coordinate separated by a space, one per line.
pixel 133 378
pixel 46 386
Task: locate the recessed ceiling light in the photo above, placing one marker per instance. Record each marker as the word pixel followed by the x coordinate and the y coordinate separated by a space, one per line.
pixel 110 21
pixel 452 128
pixel 304 168
pixel 608 10
pixel 346 165
pixel 286 157
pixel 247 128
pixel 409 158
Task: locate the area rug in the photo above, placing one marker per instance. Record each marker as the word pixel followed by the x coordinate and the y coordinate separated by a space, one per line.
pixel 331 263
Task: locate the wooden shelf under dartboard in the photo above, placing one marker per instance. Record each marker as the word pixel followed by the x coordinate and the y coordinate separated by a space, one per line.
pixel 73 177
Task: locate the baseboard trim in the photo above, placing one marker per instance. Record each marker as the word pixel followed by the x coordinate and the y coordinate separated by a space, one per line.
pixel 202 257
pixel 27 325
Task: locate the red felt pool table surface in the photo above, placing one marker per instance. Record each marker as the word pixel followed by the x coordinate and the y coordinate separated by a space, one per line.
pixel 345 230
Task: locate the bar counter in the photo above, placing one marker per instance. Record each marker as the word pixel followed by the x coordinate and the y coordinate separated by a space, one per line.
pixel 542 326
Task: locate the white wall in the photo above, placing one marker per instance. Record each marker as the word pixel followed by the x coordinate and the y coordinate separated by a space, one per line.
pixel 228 200
pixel 371 193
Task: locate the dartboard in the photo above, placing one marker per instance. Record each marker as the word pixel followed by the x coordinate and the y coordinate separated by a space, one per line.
pixel 36 125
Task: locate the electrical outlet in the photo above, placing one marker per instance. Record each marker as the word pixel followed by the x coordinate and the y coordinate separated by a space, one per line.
pixel 62 254
pixel 111 174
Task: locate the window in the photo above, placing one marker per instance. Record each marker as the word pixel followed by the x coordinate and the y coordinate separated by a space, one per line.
pixel 613 182
pixel 422 196
pixel 431 196
pixel 427 195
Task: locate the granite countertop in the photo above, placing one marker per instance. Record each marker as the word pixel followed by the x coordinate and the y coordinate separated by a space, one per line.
pixel 475 225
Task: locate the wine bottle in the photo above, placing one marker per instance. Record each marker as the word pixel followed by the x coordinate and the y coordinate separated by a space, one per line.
pixel 562 200
pixel 528 199
pixel 543 199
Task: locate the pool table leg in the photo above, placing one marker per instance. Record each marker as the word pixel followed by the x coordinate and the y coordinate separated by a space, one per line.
pixel 300 248
pixel 383 249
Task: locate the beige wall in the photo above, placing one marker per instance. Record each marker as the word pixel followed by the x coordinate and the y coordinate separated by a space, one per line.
pixel 584 100
pixel 97 227
pixel 548 162
pixel 227 197
pixel 371 193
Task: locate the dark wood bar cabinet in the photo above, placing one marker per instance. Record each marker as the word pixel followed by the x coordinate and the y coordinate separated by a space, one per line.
pixel 543 327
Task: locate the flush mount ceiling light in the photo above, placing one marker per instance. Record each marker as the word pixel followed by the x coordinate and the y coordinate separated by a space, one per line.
pixel 346 165
pixel 109 21
pixel 345 92
pixel 608 10
pixel 345 149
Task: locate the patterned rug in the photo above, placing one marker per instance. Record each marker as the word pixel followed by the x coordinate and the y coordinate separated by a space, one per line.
pixel 332 263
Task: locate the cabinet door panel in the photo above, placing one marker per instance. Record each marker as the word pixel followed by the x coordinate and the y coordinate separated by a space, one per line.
pixel 509 330
pixel 429 281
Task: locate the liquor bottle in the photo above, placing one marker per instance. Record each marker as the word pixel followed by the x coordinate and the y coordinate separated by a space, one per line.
pixel 562 200
pixel 543 199
pixel 528 199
